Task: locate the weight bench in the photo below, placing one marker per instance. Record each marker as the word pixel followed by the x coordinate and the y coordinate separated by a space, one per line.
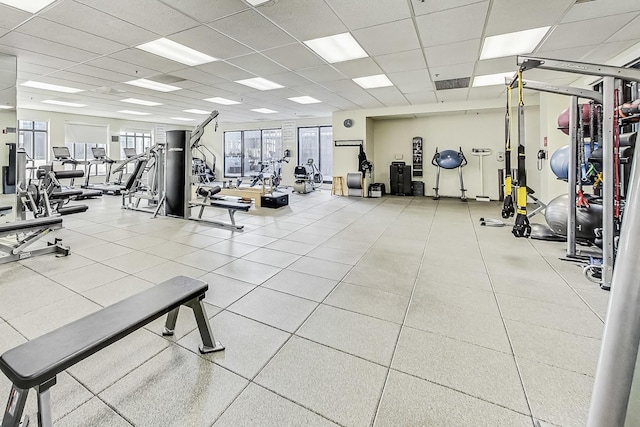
pixel 36 363
pixel 211 201
pixel 26 233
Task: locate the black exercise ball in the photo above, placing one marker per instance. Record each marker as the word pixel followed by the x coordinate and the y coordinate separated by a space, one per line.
pixel 587 219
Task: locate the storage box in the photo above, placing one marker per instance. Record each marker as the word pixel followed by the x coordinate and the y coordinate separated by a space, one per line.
pixel 275 200
pixel 376 190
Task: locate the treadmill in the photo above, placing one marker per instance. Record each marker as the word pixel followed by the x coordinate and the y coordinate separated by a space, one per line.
pixel 100 158
pixel 63 156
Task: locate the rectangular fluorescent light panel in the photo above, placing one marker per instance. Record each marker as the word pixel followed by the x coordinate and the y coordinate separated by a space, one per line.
pixel 182 119
pixel 264 110
pixel 260 83
pixel 47 86
pixel 194 111
pixel 371 82
pixel 223 101
pixel 31 6
pixel 176 52
pixel 304 100
pixel 63 103
pixel 134 113
pixel 140 102
pixel 337 48
pixel 256 2
pixel 150 84
pixel 491 79
pixel 6 107
pixel 518 43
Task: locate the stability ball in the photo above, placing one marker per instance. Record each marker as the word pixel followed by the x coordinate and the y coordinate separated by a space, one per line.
pixel 449 159
pixel 559 162
pixel 587 219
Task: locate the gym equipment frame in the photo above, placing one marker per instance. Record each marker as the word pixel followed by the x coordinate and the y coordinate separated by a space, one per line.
pixel 27 233
pixel 608 74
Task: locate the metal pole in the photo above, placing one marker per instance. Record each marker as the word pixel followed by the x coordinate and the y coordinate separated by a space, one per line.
pixel 608 184
pixel 572 176
pixel 619 350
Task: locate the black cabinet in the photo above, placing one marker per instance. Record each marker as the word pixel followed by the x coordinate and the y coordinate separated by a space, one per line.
pixel 400 177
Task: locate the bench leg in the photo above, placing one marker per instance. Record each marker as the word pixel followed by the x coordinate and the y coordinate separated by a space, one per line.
pixel 15 407
pixel 44 404
pixel 209 344
pixel 170 325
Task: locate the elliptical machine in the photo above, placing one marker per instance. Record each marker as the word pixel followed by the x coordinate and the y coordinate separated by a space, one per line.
pixel 308 177
pixel 449 159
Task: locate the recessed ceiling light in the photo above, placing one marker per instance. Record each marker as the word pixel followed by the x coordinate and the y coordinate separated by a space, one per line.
pixel 264 110
pixel 31 6
pixel 141 102
pixel 337 48
pixel 195 111
pixel 223 101
pixel 520 42
pixel 150 84
pixel 370 82
pixel 63 103
pixel 47 86
pixel 260 83
pixel 304 100
pixel 491 79
pixel 182 119
pixel 256 2
pixel 134 113
pixel 6 107
pixel 176 52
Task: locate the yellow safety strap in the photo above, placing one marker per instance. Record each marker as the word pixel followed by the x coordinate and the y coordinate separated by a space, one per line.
pixel 522 200
pixel 520 89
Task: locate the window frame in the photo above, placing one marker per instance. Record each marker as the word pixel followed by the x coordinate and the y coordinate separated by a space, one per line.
pixel 248 162
pixel 34 130
pixel 327 177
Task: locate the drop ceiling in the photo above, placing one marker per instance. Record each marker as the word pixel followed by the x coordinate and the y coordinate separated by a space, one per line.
pixel 90 45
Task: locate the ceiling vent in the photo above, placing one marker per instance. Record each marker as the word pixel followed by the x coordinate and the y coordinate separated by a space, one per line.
pixel 452 83
pixel 167 79
pixel 107 90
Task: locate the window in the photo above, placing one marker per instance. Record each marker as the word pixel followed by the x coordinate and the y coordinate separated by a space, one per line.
pixel 245 150
pixel 82 153
pixel 138 140
pixel 81 137
pixel 33 137
pixel 317 143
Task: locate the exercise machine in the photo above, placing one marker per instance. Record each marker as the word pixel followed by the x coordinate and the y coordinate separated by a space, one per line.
pixel 17 237
pixel 62 155
pixel 307 177
pixel 449 159
pixel 146 182
pixel 100 158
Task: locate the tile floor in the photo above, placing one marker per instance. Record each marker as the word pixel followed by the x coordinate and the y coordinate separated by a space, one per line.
pixel 396 311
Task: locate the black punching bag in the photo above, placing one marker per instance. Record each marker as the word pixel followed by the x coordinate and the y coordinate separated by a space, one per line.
pixel 175 172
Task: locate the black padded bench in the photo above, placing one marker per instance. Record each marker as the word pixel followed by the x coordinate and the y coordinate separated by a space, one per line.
pixel 36 363
pixel 231 207
pixel 4 210
pixel 26 233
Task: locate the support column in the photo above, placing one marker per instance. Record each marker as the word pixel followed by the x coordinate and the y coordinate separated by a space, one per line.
pixel 608 184
pixel 572 176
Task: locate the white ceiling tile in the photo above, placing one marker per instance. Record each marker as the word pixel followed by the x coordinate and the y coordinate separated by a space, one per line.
pixel 452 71
pixel 453 25
pixel 360 13
pixel 452 95
pixel 603 53
pixel 235 88
pixel 569 54
pixel 211 42
pixel 598 9
pixel 90 20
pixel 584 33
pixel 198 76
pixel 42 59
pixel 423 8
pixel 388 38
pixel 257 64
pixel 11 17
pixel 453 53
pixel 304 19
pixel 631 31
pixel 115 65
pixel 294 56
pixel 401 61
pixel 37 69
pixel 252 29
pixel 411 81
pixel 77 77
pixel 487 92
pixel 358 68
pixel 204 10
pixel 149 14
pixel 289 79
pixel 147 60
pixel 225 71
pixel 496 65
pixel 108 75
pixel 531 14
pixel 389 96
pixel 324 73
pixel 19 43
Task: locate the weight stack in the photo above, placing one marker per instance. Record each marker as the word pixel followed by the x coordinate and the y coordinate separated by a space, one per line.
pixel 175 172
